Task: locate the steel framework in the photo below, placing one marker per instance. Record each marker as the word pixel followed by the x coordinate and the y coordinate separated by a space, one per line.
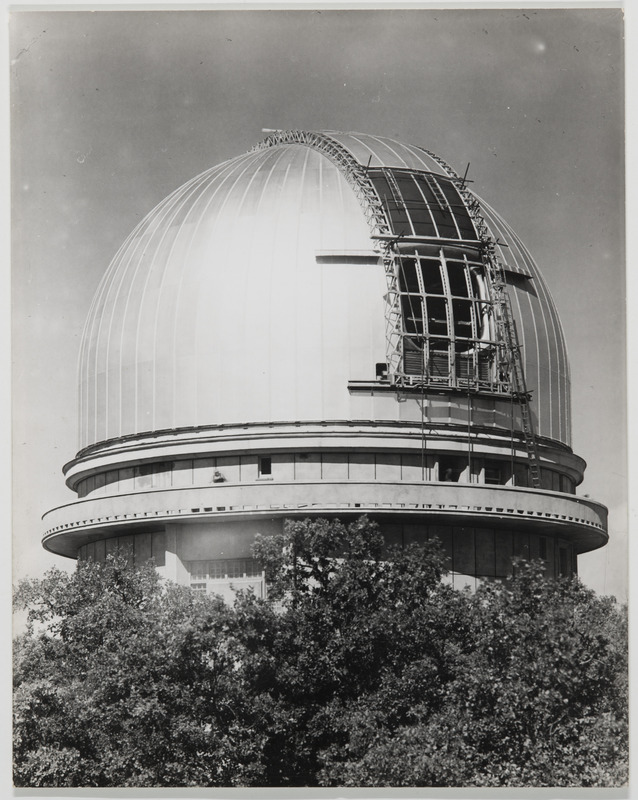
pixel 385 243
pixel 510 349
pixel 357 176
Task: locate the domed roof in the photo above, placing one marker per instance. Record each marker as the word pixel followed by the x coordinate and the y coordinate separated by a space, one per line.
pixel 255 293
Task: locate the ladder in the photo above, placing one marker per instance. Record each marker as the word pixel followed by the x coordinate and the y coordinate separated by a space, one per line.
pixel 504 318
pixel 436 191
pixel 507 325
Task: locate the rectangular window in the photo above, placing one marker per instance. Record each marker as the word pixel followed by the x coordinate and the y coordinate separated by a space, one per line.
pixel 450 469
pixel 201 571
pixel 563 562
pixel 461 215
pixel 542 548
pixel 521 475
pixel 431 276
pixel 546 479
pixel 463 327
pixel 408 280
pixel 265 466
pixel 412 313
pixel 415 205
pixel 493 474
pixel 457 279
pixel 437 316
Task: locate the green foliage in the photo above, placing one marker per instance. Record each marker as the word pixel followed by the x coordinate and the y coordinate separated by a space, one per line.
pixel 362 668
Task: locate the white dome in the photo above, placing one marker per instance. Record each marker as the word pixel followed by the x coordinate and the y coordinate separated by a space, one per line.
pixel 253 293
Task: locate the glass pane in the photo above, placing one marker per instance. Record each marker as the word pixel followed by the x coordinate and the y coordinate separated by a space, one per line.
pixel 408 281
pixel 416 206
pixel 412 312
pixel 459 210
pixel 493 472
pixel 431 274
pixel 450 468
pixel 437 316
pixel 457 280
pixel 398 218
pixel 462 310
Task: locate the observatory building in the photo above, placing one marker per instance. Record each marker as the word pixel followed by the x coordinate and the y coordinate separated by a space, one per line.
pixel 331 324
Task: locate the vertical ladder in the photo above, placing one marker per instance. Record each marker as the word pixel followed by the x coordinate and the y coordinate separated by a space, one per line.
pixel 505 323
pixel 436 191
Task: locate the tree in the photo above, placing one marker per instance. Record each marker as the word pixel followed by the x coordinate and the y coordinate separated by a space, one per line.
pixel 537 696
pixel 363 668
pixel 122 682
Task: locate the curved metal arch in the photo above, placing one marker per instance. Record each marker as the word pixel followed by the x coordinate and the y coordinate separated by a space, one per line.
pixel 375 214
pixel 506 325
pixel 354 172
pixel 356 176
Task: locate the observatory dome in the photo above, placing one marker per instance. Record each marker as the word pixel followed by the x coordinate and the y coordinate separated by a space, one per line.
pixel 256 292
pixel 331 324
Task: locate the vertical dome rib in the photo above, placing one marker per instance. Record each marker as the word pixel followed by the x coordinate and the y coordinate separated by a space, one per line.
pixel 550 349
pixel 324 323
pixel 181 304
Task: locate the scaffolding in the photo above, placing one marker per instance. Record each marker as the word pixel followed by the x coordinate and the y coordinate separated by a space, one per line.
pixel 510 360
pixel 510 370
pixel 384 243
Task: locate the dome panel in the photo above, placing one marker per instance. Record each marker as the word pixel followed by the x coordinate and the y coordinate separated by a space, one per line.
pixel 380 151
pixel 255 293
pixel 216 284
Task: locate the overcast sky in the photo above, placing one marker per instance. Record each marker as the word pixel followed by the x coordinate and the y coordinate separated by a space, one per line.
pixel 113 110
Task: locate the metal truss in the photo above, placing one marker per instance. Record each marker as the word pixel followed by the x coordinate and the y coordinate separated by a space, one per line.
pixel 510 360
pixel 357 177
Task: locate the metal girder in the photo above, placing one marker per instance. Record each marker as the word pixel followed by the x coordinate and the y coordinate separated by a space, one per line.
pixel 385 244
pixel 506 326
pixel 357 177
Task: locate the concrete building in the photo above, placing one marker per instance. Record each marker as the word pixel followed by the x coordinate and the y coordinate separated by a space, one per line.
pixel 329 325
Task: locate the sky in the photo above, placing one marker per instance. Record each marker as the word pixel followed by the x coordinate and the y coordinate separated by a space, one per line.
pixel 112 110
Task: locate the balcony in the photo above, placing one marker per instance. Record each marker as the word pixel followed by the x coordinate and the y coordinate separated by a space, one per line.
pixel 581 520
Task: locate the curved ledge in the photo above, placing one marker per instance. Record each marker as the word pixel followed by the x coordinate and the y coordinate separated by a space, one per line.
pixel 581 520
pixel 386 435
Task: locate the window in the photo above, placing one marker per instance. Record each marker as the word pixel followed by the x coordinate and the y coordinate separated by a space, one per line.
pixel 446 319
pixel 493 473
pixel 521 475
pixel 265 466
pixel 422 204
pixel 451 468
pixel 201 571
pixel 542 548
pixel 448 336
